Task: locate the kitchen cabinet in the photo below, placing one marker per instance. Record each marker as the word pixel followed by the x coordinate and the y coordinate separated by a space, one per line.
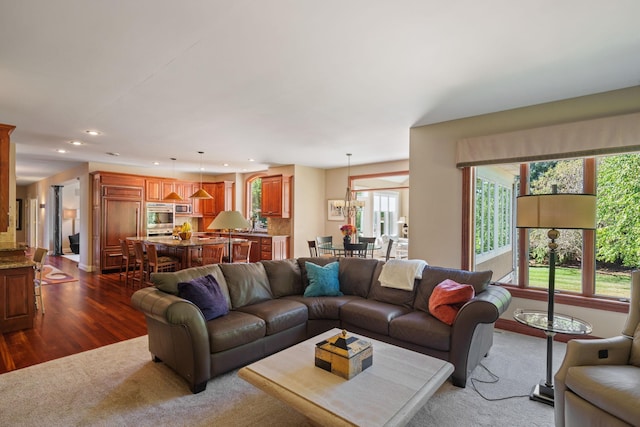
pixel 276 196
pixel 5 131
pixel 17 299
pixel 221 198
pixel 117 206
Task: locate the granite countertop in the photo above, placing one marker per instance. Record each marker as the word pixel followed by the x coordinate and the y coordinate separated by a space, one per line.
pixel 241 233
pixel 12 255
pixel 8 264
pixel 12 246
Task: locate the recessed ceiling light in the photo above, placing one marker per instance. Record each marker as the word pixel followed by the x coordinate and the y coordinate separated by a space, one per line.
pixel 93 132
pixel 156 163
pixel 113 154
pixel 75 142
pixel 61 150
pixel 225 164
pixel 251 160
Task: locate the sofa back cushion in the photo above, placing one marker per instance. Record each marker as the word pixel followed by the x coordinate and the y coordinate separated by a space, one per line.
pixel 247 282
pixel 356 274
pixel 389 295
pixel 285 277
pixel 168 281
pixel 634 358
pixel 433 276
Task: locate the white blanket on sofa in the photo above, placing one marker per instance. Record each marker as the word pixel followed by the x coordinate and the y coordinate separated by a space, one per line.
pixel 401 273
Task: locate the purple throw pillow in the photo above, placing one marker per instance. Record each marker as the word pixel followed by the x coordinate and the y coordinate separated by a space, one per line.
pixel 205 293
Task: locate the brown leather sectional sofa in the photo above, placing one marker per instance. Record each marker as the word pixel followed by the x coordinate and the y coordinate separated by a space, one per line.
pixel 268 313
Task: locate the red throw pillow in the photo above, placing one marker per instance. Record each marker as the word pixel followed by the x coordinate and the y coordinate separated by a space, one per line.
pixel 447 299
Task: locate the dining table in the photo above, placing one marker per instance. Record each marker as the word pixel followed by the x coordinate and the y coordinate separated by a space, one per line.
pixel 184 249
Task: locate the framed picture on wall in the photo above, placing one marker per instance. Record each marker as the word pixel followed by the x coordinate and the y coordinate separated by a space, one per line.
pixel 18 214
pixel 334 213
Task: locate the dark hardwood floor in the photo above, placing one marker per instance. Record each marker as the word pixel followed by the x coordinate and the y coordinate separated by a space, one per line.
pixel 83 315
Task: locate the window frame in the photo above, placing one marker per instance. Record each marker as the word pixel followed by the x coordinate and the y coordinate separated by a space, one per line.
pixel 587 298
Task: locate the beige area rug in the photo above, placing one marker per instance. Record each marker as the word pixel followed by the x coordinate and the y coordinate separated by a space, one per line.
pixel 118 385
pixel 52 276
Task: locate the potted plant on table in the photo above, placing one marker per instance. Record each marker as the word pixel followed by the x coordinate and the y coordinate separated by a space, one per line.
pixel 347 231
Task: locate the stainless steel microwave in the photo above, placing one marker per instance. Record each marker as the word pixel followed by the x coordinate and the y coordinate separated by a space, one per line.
pixel 183 208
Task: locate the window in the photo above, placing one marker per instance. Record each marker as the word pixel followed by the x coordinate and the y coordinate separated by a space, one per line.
pixel 492 217
pixel 589 263
pixel 254 203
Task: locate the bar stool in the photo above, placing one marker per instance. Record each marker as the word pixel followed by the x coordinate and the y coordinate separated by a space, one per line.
pixel 157 263
pixel 241 251
pixel 39 258
pixel 128 262
pixel 140 270
pixel 212 254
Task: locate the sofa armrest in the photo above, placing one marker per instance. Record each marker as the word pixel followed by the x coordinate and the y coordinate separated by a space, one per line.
pixel 581 352
pixel 177 334
pixel 469 343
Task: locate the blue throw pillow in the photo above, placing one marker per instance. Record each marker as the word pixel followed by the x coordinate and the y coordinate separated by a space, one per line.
pixel 323 281
pixel 206 294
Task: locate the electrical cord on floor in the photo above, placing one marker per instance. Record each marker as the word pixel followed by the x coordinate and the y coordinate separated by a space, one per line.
pixel 494 379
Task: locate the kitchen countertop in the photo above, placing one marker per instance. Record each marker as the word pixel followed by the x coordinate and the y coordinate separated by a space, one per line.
pixel 240 233
pixel 12 255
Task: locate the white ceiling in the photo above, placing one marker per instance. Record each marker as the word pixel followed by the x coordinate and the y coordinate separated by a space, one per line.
pixel 288 81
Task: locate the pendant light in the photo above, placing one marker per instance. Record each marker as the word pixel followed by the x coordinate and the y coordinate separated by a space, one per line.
pixel 349 206
pixel 201 193
pixel 173 196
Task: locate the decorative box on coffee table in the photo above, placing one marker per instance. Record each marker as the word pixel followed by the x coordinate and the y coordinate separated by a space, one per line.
pixel 344 355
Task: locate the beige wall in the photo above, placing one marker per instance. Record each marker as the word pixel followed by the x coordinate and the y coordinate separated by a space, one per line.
pixel 336 186
pixel 436 183
pixel 309 208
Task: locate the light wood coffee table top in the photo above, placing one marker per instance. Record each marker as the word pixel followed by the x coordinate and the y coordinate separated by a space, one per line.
pixel 389 393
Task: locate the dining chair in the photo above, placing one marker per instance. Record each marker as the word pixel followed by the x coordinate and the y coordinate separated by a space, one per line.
pixel 313 250
pixel 38 258
pixel 371 244
pixel 241 251
pixel 157 263
pixel 128 261
pixel 358 250
pixel 388 251
pixel 213 254
pixel 324 245
pixel 140 270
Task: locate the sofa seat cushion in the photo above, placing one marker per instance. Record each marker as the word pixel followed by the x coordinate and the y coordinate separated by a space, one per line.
pixel 324 308
pixel 614 389
pixel 422 329
pixel 278 314
pixel 371 315
pixel 234 330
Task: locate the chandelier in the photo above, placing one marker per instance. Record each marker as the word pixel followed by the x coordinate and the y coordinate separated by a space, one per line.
pixel 348 207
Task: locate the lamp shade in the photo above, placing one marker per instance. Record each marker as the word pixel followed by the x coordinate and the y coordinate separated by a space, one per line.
pixel 69 213
pixel 173 196
pixel 229 220
pixel 564 211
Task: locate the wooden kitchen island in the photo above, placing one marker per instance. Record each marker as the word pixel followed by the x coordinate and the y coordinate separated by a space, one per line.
pixel 17 297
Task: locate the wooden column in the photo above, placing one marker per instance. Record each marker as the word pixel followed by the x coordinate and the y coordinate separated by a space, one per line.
pixel 5 131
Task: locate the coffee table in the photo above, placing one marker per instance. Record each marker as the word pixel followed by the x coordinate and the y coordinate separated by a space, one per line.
pixel 388 393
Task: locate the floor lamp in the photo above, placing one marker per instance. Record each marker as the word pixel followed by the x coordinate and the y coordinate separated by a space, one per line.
pixel 229 220
pixel 554 211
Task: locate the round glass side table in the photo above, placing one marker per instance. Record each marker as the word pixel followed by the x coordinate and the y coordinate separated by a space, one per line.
pixel 561 324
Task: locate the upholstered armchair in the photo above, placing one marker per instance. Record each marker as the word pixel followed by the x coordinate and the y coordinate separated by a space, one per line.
pixel 598 382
